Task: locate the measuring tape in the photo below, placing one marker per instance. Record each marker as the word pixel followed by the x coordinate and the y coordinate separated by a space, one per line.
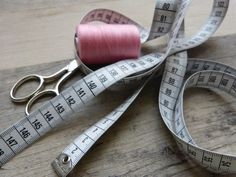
pixel 179 74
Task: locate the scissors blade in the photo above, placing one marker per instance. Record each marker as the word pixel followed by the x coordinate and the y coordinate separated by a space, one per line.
pixel 72 65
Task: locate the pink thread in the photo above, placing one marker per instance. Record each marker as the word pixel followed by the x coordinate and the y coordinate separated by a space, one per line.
pixel 105 44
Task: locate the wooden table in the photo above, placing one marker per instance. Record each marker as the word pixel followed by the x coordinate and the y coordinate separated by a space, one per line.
pixel 32 33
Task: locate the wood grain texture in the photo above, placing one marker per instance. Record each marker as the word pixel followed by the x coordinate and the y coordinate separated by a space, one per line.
pixel 139 144
pixel 41 31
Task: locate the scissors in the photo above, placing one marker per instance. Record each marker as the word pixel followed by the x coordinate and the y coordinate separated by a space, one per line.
pixel 59 76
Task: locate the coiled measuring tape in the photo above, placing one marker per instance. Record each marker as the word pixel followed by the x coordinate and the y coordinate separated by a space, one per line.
pixel 179 74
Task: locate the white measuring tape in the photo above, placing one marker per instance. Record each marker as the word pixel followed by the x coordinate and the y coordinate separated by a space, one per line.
pixel 168 17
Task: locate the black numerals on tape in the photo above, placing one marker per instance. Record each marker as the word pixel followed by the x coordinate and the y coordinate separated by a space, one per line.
pixel 124 68
pixel 102 78
pixel 37 124
pixel 166 103
pixel 163 18
pixel 48 116
pixel 11 141
pixel 218 13
pixel 24 133
pixel 225 164
pixel 168 92
pixel 174 70
pixel 166 6
pixel 201 78
pixel 113 72
pixel 133 65
pixel 192 153
pixel 212 79
pixel 171 81
pixel 224 82
pixel 74 150
pixel 81 92
pixel 91 85
pixel 70 100
pixel 207 159
pixel 59 108
pixel 160 29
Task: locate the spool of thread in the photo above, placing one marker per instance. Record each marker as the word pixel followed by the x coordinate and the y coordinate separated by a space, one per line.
pixel 106 44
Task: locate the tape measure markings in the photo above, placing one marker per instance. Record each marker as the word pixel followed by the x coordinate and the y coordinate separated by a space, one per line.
pixel 59 109
pixel 208 75
pixel 58 166
pixel 209 28
pixel 217 84
pixel 84 142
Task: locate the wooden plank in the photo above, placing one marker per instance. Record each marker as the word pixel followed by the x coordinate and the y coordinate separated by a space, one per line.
pixel 139 144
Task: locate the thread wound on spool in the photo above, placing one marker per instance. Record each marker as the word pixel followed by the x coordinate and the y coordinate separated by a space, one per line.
pixel 109 43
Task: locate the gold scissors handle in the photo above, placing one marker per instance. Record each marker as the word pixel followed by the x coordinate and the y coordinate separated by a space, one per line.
pixel 35 95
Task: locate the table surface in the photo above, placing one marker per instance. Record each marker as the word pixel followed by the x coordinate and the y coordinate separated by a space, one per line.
pixel 40 32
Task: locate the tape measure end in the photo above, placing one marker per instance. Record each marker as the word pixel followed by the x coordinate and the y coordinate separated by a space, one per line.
pixel 62 165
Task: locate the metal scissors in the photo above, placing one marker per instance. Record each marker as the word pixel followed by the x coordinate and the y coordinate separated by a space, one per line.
pixel 59 76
